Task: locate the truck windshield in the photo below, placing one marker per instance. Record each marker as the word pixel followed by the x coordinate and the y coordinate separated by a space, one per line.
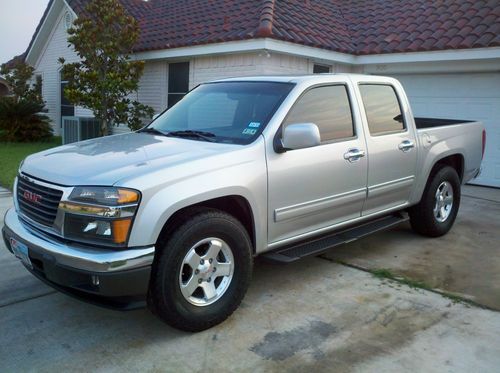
pixel 226 112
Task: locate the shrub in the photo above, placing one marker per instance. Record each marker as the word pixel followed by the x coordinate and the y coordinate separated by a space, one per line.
pixel 22 120
pixel 21 114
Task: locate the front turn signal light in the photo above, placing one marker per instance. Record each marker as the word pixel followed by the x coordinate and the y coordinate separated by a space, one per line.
pixel 120 230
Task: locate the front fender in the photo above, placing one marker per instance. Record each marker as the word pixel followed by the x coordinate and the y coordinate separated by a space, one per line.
pixel 247 180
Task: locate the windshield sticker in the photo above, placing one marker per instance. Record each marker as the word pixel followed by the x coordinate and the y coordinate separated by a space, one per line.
pixel 254 124
pixel 249 131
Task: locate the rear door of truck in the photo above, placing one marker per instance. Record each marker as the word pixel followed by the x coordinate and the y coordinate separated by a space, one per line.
pixel 391 143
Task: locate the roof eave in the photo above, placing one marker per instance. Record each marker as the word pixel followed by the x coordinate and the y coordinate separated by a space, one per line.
pixel 44 29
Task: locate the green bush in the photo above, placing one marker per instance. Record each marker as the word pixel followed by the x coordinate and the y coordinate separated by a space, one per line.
pixel 23 121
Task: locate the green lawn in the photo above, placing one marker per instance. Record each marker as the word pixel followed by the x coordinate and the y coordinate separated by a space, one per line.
pixel 11 154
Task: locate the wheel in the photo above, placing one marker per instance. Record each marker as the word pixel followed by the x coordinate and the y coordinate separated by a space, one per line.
pixel 435 214
pixel 202 271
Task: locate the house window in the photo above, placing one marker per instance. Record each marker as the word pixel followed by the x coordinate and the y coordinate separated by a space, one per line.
pixel 321 69
pixel 67 108
pixel 39 81
pixel 68 20
pixel 178 82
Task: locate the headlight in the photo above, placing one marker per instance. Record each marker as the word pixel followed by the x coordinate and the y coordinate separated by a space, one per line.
pixel 100 215
pixel 109 196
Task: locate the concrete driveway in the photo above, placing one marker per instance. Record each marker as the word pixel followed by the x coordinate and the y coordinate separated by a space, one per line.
pixel 465 262
pixel 314 314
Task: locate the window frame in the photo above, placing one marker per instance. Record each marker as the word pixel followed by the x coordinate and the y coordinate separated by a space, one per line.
pixel 169 93
pixel 279 133
pixel 398 99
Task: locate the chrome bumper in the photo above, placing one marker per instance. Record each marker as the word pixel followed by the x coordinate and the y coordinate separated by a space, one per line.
pixel 77 256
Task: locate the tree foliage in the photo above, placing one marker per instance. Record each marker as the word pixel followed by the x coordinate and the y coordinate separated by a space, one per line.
pixel 106 76
pixel 21 114
pixel 19 77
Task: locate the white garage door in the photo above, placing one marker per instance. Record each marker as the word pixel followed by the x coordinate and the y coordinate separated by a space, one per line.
pixel 474 96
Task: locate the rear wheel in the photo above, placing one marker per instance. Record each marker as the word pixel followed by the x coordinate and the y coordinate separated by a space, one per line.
pixel 202 271
pixel 435 214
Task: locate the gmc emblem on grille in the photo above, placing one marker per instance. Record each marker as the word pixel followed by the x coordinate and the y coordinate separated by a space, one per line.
pixel 32 197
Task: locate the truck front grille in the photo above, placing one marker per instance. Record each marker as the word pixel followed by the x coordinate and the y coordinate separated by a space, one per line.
pixel 38 202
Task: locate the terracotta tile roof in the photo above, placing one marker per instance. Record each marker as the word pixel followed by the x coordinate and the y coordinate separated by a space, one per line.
pixel 356 27
pixel 389 26
pixel 15 60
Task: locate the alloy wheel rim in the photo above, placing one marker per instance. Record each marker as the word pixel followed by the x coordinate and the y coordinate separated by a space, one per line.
pixel 444 201
pixel 206 271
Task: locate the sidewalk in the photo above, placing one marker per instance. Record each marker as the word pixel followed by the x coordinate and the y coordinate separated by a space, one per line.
pixel 4 192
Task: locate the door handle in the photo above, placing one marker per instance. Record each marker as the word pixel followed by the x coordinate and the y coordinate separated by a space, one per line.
pixel 354 155
pixel 406 146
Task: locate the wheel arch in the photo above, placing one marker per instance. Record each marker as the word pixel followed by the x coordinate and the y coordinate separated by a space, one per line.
pixel 234 205
pixel 456 161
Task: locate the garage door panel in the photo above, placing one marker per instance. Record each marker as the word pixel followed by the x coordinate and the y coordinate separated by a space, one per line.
pixel 462 96
pixel 452 85
pixel 447 107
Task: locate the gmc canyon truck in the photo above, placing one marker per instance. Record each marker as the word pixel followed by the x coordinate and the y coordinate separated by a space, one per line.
pixel 281 167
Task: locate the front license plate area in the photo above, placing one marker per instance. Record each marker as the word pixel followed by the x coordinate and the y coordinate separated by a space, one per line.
pixel 21 251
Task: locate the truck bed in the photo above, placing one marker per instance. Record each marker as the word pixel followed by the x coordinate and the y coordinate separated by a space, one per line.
pixel 421 123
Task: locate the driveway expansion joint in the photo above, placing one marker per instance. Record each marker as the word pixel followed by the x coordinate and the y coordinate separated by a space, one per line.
pixel 28 299
pixel 402 280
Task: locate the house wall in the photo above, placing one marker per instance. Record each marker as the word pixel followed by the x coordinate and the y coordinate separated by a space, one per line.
pixel 153 85
pixel 48 67
pixel 245 64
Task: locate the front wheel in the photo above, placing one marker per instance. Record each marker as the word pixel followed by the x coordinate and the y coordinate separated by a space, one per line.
pixel 202 271
pixel 435 214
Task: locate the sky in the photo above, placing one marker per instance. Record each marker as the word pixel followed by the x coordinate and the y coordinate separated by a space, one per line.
pixel 18 21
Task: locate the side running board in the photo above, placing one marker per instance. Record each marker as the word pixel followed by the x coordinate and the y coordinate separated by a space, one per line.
pixel 317 246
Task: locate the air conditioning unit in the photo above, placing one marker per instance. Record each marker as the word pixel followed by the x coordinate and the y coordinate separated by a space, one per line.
pixel 76 129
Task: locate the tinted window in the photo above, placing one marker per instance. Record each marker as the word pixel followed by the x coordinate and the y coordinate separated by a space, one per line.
pixel 382 108
pixel 328 108
pixel 234 112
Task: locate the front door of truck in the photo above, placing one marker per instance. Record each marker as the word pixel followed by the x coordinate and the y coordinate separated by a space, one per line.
pixel 311 189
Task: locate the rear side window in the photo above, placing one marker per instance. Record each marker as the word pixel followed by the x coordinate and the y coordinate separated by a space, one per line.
pixel 382 108
pixel 328 107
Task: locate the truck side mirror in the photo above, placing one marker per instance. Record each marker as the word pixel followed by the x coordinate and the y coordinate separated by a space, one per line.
pixel 300 135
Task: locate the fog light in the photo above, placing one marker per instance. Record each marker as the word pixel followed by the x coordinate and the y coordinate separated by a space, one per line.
pixel 95 280
pixel 102 228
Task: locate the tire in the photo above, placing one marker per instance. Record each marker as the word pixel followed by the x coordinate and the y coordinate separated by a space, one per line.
pixel 433 220
pixel 210 234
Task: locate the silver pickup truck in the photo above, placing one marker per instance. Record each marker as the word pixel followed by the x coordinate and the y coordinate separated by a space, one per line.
pixel 281 167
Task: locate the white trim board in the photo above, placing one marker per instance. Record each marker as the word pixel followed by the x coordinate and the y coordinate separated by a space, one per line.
pixel 272 45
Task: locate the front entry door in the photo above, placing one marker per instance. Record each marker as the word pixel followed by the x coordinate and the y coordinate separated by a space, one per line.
pixel 317 187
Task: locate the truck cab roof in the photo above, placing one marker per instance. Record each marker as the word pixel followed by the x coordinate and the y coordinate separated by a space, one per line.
pixel 307 78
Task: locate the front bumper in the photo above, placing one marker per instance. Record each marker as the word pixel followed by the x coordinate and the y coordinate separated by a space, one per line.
pixel 113 278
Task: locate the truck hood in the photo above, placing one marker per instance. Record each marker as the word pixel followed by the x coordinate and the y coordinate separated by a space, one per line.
pixel 106 160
